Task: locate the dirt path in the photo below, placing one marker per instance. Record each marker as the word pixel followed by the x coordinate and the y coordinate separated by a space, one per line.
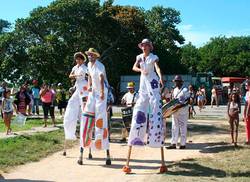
pixel 59 168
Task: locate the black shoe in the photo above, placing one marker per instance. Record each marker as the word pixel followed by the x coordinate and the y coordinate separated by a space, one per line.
pixel 108 162
pixel 64 153
pixel 80 162
pixel 183 147
pixel 90 156
pixel 171 146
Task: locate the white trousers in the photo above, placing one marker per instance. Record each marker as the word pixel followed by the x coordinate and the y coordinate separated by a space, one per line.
pixel 179 126
pixel 95 118
pixel 147 124
pixel 73 113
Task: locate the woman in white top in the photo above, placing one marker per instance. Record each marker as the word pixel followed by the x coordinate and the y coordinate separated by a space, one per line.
pixel 214 97
pixel 149 99
pixel 77 101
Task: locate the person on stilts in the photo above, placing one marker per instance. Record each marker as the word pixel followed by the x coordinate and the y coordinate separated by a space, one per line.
pixel 78 100
pixel 149 97
pixel 95 115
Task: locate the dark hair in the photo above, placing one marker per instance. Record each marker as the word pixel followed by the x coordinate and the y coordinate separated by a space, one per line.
pixel 6 92
pixel 79 55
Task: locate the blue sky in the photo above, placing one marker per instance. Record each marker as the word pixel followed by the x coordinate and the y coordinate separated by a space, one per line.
pixel 201 19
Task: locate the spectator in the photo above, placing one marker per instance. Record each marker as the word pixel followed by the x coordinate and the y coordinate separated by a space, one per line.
pixel 22 100
pixel 166 95
pixel 200 99
pixel 214 97
pixel 2 90
pixel 61 98
pixel 233 114
pixel 7 110
pixel 191 101
pixel 36 97
pixel 47 96
pixel 203 90
pixel 29 92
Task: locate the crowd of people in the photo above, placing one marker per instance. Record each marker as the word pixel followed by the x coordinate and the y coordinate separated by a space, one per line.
pixel 28 99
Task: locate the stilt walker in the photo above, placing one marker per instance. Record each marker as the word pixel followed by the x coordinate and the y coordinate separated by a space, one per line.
pixel 95 115
pixel 149 96
pixel 78 100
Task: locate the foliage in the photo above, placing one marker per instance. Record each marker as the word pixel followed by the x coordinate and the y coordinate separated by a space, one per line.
pixel 42 45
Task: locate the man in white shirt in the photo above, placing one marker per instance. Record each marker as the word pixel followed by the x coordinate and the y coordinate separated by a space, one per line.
pixel 129 99
pixel 180 117
pixel 95 115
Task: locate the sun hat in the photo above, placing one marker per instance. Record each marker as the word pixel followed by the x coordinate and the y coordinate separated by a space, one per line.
pixel 146 41
pixel 92 51
pixel 131 85
pixel 177 78
pixel 80 55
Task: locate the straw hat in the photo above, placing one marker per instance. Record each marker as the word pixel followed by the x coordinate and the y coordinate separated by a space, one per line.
pixel 80 55
pixel 92 51
pixel 131 85
pixel 147 42
pixel 177 78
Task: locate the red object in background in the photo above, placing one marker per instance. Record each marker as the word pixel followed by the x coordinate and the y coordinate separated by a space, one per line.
pixel 233 79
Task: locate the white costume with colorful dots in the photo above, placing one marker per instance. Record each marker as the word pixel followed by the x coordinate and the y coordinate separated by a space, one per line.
pixel 76 102
pixel 147 114
pixel 95 114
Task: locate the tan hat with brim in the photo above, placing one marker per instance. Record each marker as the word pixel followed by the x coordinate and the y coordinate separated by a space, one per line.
pixel 92 51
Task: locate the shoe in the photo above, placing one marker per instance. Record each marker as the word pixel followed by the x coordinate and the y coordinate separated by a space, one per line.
pixel 126 169
pixel 171 146
pixel 163 169
pixel 183 147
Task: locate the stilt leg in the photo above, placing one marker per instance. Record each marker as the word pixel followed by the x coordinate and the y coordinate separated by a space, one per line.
pixel 108 160
pixel 90 154
pixel 81 156
pixel 65 146
pixel 163 168
pixel 126 168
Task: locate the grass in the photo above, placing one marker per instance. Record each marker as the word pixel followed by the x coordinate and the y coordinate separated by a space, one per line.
pixel 22 149
pixel 231 164
pixel 28 125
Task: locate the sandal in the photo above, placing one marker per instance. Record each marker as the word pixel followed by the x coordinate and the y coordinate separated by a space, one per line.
pixel 126 169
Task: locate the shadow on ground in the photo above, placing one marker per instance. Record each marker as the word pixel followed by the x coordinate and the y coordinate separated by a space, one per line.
pixel 192 168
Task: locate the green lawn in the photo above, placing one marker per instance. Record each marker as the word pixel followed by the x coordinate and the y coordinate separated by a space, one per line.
pixel 28 125
pixel 22 149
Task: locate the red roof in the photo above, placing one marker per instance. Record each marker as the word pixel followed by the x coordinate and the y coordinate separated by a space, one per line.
pixel 233 79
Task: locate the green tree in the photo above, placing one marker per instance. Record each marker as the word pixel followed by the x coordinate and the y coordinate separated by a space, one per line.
pixel 190 57
pixel 161 23
pixel 226 56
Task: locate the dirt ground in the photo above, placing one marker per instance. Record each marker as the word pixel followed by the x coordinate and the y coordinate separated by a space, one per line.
pixel 145 161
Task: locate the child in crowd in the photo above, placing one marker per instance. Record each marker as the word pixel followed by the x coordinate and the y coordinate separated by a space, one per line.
pixel 233 114
pixel 7 108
